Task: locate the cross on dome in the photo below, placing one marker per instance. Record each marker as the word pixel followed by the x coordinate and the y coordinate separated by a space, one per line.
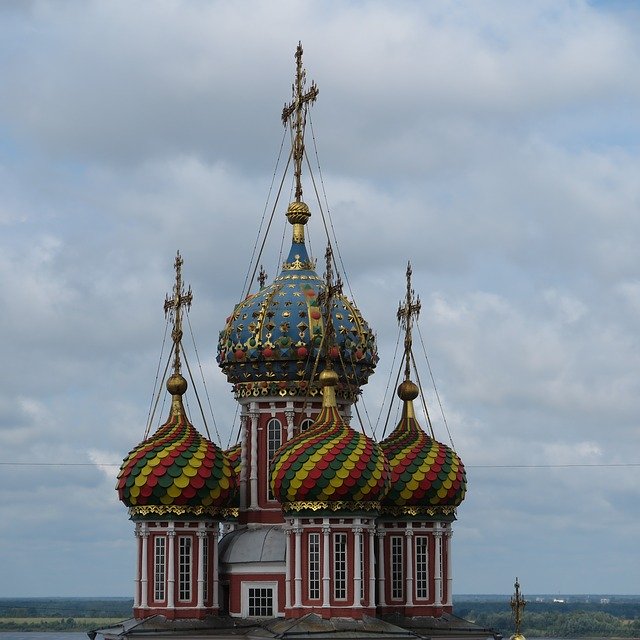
pixel 518 604
pixel 407 314
pixel 174 306
pixel 297 109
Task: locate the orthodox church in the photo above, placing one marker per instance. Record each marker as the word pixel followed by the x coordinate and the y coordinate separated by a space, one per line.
pixel 307 526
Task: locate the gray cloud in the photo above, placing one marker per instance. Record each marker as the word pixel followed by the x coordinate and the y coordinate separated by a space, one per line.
pixel 495 149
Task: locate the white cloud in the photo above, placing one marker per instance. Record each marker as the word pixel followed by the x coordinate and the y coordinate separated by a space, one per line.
pixel 494 145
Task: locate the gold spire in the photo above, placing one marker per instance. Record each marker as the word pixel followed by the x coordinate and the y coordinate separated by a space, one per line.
pixel 329 378
pixel 407 314
pixel 174 306
pixel 518 604
pixel 298 109
pixel 262 277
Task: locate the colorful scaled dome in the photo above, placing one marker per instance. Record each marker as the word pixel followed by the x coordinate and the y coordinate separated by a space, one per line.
pixel 426 476
pixel 271 342
pixel 330 466
pixel 234 454
pixel 176 471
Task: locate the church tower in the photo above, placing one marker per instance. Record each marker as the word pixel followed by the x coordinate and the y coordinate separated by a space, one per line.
pixel 270 352
pixel 428 482
pixel 306 518
pixel 177 485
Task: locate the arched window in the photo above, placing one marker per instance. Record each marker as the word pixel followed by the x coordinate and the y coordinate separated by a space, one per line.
pixel 305 424
pixel 274 440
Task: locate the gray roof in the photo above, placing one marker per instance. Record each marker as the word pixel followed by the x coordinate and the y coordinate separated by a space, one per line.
pixel 253 544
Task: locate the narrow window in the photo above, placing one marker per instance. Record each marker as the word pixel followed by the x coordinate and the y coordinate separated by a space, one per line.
pixel 260 602
pixel 340 566
pixel 274 440
pixel 205 564
pixel 314 566
pixel 184 568
pixel 305 424
pixel 362 582
pixel 422 567
pixel 159 568
pixel 397 573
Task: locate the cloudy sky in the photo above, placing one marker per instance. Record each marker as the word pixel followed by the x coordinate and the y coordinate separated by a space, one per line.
pixel 494 144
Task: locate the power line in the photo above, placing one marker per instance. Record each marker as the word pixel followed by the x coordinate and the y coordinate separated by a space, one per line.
pixel 467 466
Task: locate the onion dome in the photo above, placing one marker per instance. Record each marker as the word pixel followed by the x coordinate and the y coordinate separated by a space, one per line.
pixel 270 343
pixel 330 466
pixel 234 454
pixel 176 471
pixel 426 475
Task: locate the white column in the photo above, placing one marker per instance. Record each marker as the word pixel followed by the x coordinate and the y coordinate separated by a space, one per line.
pixel 372 568
pixel 171 571
pixel 437 569
pixel 244 457
pixel 253 477
pixel 449 599
pixel 202 534
pixel 409 582
pixel 326 582
pixel 136 586
pixel 357 566
pixel 287 575
pixel 298 576
pixel 289 414
pixel 213 563
pixel 136 582
pixel 144 571
pixel 381 598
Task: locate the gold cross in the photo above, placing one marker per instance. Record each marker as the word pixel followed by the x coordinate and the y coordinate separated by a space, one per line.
pixel 407 314
pixel 262 277
pixel 518 604
pixel 173 306
pixel 326 297
pixel 298 109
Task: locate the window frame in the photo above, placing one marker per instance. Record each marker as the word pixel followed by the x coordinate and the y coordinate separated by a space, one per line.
pixel 340 566
pixel 274 427
pixel 396 567
pixel 159 568
pixel 313 564
pixel 245 592
pixel 185 568
pixel 422 567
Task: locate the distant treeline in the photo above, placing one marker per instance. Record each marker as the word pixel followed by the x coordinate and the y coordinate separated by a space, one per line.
pixel 65 607
pixel 616 618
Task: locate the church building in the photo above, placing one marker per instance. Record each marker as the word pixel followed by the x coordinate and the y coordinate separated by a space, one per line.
pixel 307 526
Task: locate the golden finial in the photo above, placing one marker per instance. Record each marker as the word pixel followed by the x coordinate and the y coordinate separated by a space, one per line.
pixel 328 377
pixel 174 306
pixel 262 277
pixel 331 290
pixel 298 109
pixel 407 314
pixel 518 604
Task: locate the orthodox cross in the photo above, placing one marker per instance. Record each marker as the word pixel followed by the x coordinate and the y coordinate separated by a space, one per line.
pixel 407 314
pixel 518 604
pixel 298 109
pixel 326 297
pixel 173 306
pixel 262 277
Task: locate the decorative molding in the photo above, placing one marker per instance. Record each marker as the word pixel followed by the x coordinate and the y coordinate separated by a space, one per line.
pixel 340 505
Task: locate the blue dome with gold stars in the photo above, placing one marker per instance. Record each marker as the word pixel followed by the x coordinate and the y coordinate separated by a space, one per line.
pixel 271 342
